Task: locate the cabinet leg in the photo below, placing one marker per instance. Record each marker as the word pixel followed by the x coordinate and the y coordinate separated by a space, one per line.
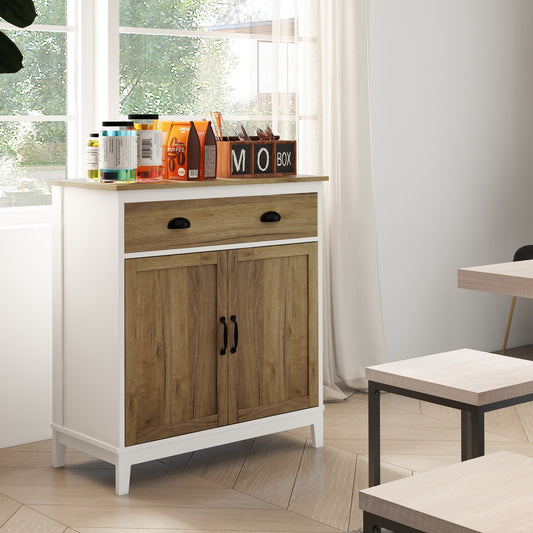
pixel 122 477
pixel 58 451
pixel 317 433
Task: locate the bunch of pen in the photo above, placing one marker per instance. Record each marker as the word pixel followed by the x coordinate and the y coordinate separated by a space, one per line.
pixel 240 133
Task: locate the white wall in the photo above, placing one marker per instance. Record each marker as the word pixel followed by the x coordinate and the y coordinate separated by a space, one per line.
pixel 452 103
pixel 25 332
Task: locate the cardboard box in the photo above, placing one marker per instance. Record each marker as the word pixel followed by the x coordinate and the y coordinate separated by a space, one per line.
pixel 208 149
pixel 181 151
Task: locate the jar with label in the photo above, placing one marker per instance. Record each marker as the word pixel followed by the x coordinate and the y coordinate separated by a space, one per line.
pixel 118 152
pixel 149 147
pixel 92 157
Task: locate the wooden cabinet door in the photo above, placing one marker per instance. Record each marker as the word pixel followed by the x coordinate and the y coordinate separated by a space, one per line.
pixel 272 295
pixel 175 376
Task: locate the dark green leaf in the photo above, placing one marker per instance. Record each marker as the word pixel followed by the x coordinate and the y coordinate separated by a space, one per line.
pixel 10 56
pixel 21 13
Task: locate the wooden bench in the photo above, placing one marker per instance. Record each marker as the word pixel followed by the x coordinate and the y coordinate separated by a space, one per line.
pixel 474 382
pixel 489 494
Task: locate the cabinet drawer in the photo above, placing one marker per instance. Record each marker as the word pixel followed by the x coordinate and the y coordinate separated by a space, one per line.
pixel 216 221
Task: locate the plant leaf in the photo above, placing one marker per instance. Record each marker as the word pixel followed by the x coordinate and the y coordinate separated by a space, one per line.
pixel 21 13
pixel 10 56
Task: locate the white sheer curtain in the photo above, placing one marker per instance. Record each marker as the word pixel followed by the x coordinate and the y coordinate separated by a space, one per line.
pixel 335 90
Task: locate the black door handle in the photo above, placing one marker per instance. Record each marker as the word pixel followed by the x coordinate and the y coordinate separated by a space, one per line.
pixel 223 320
pixel 270 216
pixel 235 333
pixel 179 223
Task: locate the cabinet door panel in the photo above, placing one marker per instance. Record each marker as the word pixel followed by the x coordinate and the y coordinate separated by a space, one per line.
pixel 272 292
pixel 172 335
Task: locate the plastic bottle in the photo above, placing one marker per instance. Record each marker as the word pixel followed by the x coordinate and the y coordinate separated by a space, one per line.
pixel 92 157
pixel 149 147
pixel 118 152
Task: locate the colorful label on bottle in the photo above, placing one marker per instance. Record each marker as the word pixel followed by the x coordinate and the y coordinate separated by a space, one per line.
pixel 92 157
pixel 149 148
pixel 118 153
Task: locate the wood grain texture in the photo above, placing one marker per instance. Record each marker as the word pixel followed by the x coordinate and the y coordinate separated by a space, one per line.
pixel 221 464
pixel 215 221
pixel 271 294
pixel 514 278
pixel 169 184
pixel 183 518
pixel 172 336
pixel 331 473
pixel 26 519
pixel 8 507
pixel 470 376
pixel 271 468
pixel 148 494
pixel 88 485
pixel 489 494
pixel 178 380
pixel 157 530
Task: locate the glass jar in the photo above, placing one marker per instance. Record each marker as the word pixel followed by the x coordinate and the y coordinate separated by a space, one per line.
pixel 118 152
pixel 92 157
pixel 149 147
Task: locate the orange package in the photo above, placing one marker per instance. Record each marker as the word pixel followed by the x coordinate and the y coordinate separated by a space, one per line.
pixel 208 149
pixel 181 151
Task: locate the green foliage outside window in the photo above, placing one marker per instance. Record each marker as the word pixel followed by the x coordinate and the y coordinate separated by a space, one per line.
pixel 175 75
pixel 169 75
pixel 32 152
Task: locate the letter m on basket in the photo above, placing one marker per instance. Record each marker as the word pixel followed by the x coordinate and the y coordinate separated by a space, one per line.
pixel 240 159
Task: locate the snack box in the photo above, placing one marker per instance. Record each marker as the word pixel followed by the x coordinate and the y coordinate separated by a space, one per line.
pixel 208 149
pixel 181 151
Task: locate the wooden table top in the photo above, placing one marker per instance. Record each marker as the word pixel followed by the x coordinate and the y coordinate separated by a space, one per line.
pixel 468 376
pixel 515 278
pixel 489 494
pixel 178 184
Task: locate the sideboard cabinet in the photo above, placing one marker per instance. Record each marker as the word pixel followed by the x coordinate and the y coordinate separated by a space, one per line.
pixel 185 316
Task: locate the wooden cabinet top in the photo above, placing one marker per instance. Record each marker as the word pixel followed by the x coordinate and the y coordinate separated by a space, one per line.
pixel 173 184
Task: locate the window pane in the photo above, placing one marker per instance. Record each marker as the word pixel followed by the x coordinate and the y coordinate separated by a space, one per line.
pixel 30 154
pixel 40 87
pixel 174 75
pixel 51 12
pixel 193 14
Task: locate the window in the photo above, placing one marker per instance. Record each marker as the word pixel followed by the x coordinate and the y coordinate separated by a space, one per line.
pixel 34 109
pixel 188 58
pixel 88 61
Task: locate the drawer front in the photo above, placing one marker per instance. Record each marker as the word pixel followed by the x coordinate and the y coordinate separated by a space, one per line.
pixel 214 221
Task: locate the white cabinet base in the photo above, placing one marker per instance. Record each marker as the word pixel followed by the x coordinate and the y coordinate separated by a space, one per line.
pixel 124 458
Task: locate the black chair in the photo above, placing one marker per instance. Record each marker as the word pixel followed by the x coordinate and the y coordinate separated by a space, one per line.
pixel 522 254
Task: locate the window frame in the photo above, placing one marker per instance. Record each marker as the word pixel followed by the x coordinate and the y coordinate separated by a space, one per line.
pixel 93 79
pixel 38 214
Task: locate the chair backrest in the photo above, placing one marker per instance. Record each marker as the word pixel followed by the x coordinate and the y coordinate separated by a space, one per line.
pixel 524 253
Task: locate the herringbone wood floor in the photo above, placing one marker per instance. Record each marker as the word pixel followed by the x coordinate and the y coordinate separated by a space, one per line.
pixel 276 483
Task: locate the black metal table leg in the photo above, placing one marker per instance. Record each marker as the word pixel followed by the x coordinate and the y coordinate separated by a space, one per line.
pixel 478 432
pixel 368 524
pixel 374 450
pixel 472 433
pixel 466 435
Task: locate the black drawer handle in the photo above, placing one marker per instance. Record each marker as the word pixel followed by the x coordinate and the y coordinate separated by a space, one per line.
pixel 270 216
pixel 233 318
pixel 223 320
pixel 179 223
